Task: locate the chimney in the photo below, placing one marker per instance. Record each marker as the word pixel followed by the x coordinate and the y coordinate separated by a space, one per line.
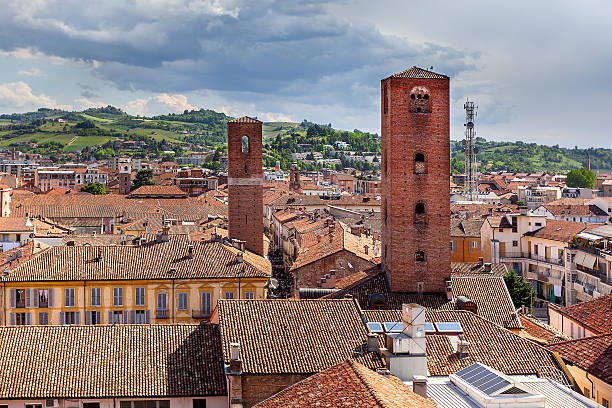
pixel 365 249
pixel 405 350
pixel 480 261
pixel 488 267
pixel 235 362
pixel 462 348
pixel 240 257
pixel 419 385
pixel 449 289
pixel 372 342
pixel 190 251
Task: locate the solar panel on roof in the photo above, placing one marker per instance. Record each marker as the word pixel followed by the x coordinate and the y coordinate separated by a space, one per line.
pixel 449 327
pixel 393 327
pixel 483 378
pixel 375 327
pixel 430 328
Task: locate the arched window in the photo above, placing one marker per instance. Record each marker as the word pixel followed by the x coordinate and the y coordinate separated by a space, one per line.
pixel 419 256
pixel 419 100
pixel 419 163
pixel 419 208
pixel 245 144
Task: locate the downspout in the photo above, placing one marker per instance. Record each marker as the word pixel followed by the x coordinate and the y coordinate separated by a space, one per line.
pixel 593 397
pixel 173 301
pixel 4 301
pixel 84 302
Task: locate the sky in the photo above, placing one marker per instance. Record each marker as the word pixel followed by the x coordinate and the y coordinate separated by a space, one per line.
pixel 537 70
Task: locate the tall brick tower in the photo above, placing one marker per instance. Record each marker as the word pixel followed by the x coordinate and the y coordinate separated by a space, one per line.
pixel 245 180
pixel 415 180
pixel 295 183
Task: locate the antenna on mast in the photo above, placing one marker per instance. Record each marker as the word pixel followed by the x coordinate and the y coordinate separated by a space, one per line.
pixel 470 187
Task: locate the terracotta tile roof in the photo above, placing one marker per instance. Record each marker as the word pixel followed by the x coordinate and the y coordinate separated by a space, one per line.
pixel 244 119
pixel 539 332
pixel 158 191
pixel 476 269
pixel 416 72
pixel 109 361
pixel 294 336
pixel 466 228
pixel 206 235
pixel 592 354
pixel 489 293
pixel 556 230
pixel 15 224
pixel 595 314
pixel 328 241
pixel 489 344
pixel 154 260
pixel 95 240
pixel 348 384
pixel 575 210
pixel 16 256
pixel 69 207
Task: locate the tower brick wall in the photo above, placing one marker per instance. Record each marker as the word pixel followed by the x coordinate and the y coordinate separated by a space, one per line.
pixel 245 182
pixel 416 194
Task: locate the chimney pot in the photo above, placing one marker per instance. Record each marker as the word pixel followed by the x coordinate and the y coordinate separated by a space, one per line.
pixel 481 261
pixel 372 342
pixel 240 257
pixel 419 385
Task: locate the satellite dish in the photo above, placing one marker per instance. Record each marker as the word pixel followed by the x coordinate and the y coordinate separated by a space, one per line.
pixel 273 283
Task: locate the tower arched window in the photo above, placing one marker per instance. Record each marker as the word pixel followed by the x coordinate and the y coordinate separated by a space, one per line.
pixel 419 100
pixel 419 163
pixel 419 208
pixel 245 144
pixel 419 256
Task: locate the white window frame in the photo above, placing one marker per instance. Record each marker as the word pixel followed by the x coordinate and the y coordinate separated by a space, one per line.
pixel 118 297
pixel 140 299
pixel 96 297
pixel 183 300
pixel 69 297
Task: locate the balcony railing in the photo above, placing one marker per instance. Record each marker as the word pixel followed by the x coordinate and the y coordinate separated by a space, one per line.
pixel 161 314
pixel 200 314
pixel 554 261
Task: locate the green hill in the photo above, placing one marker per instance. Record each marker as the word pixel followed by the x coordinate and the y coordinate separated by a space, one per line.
pixel 530 157
pixel 94 132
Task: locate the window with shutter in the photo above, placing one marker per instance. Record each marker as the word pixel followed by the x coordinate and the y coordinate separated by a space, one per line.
pixel 69 300
pixel 27 297
pixel 50 291
pixel 28 319
pixel 12 296
pixel 117 297
pixel 182 301
pixel 206 302
pixel 140 296
pixel 62 318
pixel 13 319
pixel 43 318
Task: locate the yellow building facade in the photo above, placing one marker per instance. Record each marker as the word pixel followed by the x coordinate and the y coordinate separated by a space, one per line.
pixel 168 282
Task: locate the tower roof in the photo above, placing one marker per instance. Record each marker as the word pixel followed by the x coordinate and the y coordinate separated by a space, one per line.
pixel 416 72
pixel 245 119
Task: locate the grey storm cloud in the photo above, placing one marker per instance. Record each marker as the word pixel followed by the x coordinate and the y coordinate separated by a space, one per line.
pixel 276 47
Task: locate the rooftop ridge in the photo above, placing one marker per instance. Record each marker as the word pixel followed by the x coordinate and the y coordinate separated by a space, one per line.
pixel 416 72
pixel 245 119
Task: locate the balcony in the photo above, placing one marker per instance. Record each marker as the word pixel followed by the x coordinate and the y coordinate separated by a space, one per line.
pixel 513 255
pixel 553 261
pixel 161 314
pixel 200 314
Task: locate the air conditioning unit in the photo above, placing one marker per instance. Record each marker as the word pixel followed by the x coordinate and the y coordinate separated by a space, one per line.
pixel 52 403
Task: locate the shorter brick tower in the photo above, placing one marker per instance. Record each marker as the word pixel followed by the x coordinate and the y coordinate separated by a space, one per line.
pixel 125 175
pixel 245 182
pixel 295 184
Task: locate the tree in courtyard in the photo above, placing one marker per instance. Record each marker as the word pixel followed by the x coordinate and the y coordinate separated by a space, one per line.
pixel 581 178
pixel 143 177
pixel 94 188
pixel 520 291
